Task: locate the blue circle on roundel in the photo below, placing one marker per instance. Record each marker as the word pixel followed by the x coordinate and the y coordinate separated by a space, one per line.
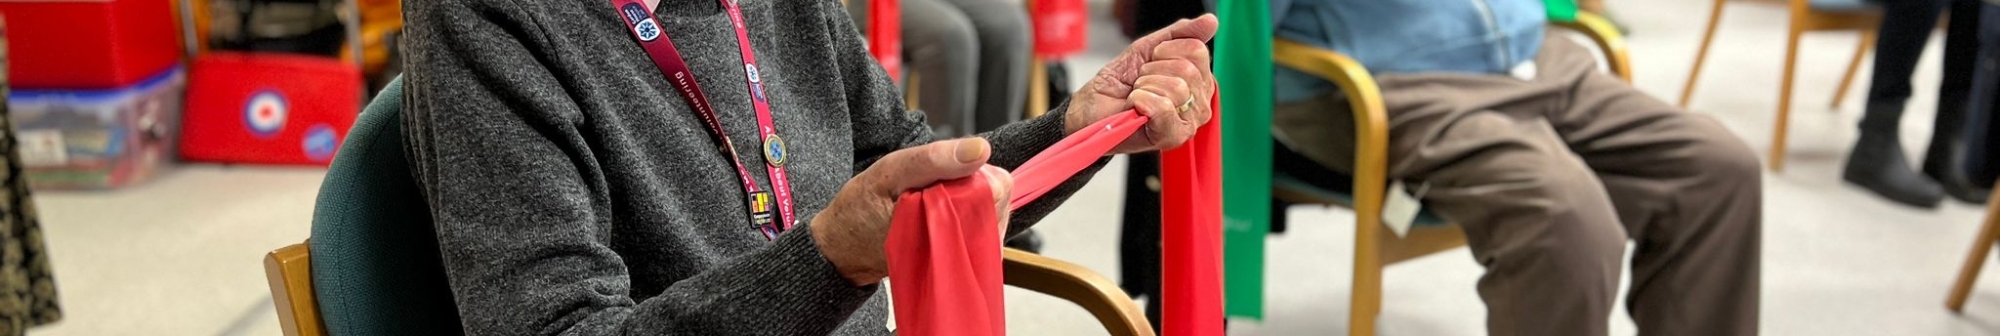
pixel 265 113
pixel 320 143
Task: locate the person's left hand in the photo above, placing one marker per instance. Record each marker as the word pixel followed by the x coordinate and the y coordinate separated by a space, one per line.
pixel 1164 75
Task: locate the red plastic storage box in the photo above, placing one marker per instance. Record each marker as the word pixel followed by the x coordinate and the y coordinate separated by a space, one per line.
pixel 92 45
pixel 269 108
pixel 93 139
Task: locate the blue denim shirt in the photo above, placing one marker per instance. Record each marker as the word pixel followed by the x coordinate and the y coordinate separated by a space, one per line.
pixel 1409 36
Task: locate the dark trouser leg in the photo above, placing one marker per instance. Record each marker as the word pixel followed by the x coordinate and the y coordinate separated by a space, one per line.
pixel 1877 162
pixel 1983 105
pixel 1906 28
pixel 1003 32
pixel 1689 193
pixel 1945 158
pixel 1537 218
pixel 943 53
pixel 1139 236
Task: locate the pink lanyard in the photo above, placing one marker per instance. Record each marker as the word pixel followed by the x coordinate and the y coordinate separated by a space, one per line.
pixel 654 39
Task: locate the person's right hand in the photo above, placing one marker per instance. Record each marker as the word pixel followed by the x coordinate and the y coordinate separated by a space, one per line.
pixel 851 231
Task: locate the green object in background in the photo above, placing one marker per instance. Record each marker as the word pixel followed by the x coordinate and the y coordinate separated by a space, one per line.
pixel 1243 68
pixel 1561 10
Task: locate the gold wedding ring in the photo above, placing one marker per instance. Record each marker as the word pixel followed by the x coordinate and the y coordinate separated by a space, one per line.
pixel 1188 105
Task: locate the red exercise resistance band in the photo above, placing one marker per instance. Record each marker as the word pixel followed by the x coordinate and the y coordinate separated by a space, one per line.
pixel 945 254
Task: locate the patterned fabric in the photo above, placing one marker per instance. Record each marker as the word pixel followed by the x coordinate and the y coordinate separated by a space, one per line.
pixel 27 285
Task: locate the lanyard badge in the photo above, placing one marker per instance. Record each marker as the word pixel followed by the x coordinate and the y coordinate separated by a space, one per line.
pixel 770 211
pixel 761 209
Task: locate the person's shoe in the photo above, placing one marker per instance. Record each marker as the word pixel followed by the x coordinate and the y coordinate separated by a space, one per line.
pixel 1944 159
pixel 1877 164
pixel 1026 241
pixel 1942 163
pixel 1959 187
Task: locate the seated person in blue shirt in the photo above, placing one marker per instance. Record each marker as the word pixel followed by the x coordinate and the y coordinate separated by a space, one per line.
pixel 1547 163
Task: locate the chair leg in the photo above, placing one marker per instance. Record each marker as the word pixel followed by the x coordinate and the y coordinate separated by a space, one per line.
pixel 1860 52
pixel 1976 259
pixel 1785 97
pixel 1366 303
pixel 1701 54
pixel 910 93
pixel 1038 92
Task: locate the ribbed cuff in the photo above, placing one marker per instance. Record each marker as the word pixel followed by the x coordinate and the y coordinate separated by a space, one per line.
pixel 1015 143
pixel 798 248
pixel 812 281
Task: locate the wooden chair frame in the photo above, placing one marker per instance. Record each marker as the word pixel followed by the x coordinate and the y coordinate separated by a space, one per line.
pixel 1375 248
pixel 1803 20
pixel 1989 234
pixel 289 271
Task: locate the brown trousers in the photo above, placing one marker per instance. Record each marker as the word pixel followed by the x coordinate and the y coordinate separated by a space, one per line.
pixel 1549 177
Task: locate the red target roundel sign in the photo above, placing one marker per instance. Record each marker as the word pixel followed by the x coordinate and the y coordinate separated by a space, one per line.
pixel 265 113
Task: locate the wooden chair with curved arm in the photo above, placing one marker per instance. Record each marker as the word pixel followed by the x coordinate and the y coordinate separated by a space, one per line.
pixel 289 271
pixel 1806 16
pixel 1375 248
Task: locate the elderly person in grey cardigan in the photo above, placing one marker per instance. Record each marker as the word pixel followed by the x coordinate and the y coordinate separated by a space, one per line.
pixel 579 191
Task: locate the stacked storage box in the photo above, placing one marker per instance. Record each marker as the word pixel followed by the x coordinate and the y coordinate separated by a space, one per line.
pixel 96 88
pixel 269 108
pixel 86 139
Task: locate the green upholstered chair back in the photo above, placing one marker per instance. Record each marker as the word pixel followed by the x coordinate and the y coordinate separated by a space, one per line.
pixel 376 268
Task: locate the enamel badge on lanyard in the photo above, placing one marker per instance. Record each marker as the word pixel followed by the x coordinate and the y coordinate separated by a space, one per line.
pixel 770 211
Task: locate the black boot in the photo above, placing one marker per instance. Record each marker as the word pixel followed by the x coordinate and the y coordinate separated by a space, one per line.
pixel 1877 163
pixel 1946 171
pixel 1944 160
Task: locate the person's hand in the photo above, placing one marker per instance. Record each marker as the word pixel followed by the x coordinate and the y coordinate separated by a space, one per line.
pixel 852 229
pixel 1164 75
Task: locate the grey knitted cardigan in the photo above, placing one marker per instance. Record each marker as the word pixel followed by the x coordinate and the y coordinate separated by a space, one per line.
pixel 575 193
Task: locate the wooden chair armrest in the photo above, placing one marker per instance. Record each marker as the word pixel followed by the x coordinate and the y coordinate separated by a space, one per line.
pixel 1112 307
pixel 1608 39
pixel 1371 119
pixel 289 269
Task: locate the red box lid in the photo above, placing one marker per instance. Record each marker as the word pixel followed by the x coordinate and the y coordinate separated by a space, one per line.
pixel 69 44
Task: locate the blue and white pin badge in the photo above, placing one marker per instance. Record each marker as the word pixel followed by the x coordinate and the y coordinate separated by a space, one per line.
pixel 774 150
pixel 643 25
pixel 756 81
pixel 647 29
pixel 265 113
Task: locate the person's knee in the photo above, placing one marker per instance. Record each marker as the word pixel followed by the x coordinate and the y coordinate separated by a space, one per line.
pixel 939 32
pixel 1534 203
pixel 1564 225
pixel 1724 160
pixel 1561 227
pixel 1533 178
pixel 1003 27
